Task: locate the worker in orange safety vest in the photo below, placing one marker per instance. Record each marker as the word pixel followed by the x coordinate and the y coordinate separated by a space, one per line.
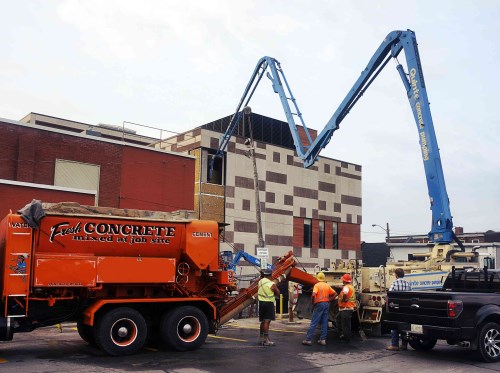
pixel 347 305
pixel 321 297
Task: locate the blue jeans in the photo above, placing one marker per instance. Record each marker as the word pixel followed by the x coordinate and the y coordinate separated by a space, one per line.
pixel 319 315
pixel 343 321
pixel 395 338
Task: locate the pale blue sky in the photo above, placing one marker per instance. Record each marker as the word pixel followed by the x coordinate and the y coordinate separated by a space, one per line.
pixel 179 64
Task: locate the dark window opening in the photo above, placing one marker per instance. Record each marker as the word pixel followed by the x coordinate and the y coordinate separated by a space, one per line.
pixel 335 244
pixel 307 233
pixel 217 170
pixel 321 234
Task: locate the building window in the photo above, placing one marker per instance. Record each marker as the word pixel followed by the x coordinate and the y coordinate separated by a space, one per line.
pixel 217 173
pixel 335 244
pixel 307 233
pixel 321 234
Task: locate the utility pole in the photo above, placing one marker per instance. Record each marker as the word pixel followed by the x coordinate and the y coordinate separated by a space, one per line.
pixel 251 145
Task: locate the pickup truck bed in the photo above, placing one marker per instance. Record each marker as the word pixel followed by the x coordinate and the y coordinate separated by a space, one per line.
pixel 470 317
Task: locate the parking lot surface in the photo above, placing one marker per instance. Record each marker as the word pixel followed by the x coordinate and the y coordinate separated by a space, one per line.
pixel 233 349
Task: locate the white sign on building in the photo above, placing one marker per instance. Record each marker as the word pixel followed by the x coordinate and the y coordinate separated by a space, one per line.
pixel 263 255
pixel 262 252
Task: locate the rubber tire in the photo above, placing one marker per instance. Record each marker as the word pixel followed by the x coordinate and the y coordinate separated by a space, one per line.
pixel 422 344
pixel 106 331
pixel 86 332
pixel 173 327
pixel 489 342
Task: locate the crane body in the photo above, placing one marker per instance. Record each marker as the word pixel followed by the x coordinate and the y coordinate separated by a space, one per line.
pixel 413 81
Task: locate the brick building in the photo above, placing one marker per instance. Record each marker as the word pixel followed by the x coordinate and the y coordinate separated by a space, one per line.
pixel 54 165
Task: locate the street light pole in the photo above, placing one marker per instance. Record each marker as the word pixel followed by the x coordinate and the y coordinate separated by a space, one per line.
pixel 387 232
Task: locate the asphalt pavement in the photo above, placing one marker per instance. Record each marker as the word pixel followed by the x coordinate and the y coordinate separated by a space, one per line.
pixel 233 349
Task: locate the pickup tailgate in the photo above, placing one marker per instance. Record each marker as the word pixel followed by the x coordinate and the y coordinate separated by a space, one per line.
pixel 419 307
pixel 428 313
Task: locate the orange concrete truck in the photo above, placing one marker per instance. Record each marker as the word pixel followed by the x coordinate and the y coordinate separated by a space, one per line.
pixel 124 276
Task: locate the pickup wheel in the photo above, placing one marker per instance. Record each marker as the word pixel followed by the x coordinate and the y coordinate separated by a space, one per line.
pixel 422 344
pixel 489 342
pixel 184 328
pixel 121 331
pixel 86 332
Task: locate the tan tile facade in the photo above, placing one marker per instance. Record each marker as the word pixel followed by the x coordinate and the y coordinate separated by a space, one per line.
pixel 330 191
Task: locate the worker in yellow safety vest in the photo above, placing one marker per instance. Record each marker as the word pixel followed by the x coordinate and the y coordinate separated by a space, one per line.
pixel 267 291
pixel 347 305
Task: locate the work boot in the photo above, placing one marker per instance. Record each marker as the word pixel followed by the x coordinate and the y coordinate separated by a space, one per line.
pixel 268 343
pixel 322 342
pixel 392 348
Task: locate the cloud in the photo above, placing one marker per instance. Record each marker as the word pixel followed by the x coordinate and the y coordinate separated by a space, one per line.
pixel 207 33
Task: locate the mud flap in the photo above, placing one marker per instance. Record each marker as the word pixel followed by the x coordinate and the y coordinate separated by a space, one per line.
pixel 303 308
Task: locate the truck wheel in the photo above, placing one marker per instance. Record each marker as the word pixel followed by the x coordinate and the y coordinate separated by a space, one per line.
pixel 121 331
pixel 86 332
pixel 489 342
pixel 184 328
pixel 422 344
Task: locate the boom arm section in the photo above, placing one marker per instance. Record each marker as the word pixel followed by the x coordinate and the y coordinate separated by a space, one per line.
pixel 249 258
pixel 413 81
pixel 276 75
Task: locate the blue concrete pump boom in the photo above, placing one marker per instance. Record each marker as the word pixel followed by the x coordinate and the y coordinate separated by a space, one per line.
pixel 413 81
pixel 232 262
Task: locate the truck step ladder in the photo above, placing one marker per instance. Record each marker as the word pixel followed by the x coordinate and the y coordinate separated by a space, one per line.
pixel 17 303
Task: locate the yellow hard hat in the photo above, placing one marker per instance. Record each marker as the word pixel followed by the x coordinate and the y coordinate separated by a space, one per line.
pixel 320 276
